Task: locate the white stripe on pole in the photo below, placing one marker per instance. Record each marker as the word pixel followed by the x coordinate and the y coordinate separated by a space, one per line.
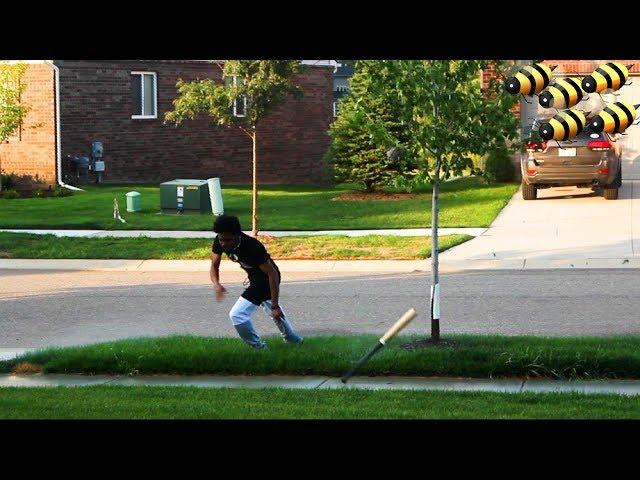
pixel 435 301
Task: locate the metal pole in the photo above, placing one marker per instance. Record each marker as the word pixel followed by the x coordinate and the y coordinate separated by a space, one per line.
pixel 435 283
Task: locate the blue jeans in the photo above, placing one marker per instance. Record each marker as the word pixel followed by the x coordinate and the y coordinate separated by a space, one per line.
pixel 240 316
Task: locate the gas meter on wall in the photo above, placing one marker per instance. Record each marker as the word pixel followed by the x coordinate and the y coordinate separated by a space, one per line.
pixel 97 152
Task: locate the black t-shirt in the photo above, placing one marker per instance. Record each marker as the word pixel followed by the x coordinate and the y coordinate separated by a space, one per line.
pixel 250 254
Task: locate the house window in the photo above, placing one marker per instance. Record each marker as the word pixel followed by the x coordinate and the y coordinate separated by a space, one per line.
pixel 240 103
pixel 144 88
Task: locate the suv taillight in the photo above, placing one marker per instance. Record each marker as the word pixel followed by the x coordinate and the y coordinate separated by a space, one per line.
pixel 599 145
pixel 536 146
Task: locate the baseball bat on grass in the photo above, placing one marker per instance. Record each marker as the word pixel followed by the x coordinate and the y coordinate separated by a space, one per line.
pixel 402 322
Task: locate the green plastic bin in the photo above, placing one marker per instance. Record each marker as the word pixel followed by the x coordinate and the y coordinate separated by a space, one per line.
pixel 134 202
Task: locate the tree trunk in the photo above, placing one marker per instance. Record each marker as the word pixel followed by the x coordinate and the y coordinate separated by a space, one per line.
pixel 254 216
pixel 435 285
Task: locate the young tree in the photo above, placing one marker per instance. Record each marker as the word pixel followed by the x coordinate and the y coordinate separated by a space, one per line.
pixel 446 118
pixel 251 90
pixel 356 155
pixel 12 111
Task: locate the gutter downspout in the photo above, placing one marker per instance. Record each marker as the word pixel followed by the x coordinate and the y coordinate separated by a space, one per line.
pixel 58 146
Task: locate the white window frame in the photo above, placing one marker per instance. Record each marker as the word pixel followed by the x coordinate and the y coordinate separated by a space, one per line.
pixel 244 97
pixel 155 95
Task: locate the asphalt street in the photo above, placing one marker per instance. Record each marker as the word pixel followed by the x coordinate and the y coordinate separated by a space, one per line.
pixel 44 308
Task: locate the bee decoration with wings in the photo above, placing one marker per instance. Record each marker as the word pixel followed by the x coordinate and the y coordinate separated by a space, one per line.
pixel 614 118
pixel 608 76
pixel 564 126
pixel 529 80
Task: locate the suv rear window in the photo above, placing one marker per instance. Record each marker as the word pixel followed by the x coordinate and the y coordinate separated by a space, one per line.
pixel 581 139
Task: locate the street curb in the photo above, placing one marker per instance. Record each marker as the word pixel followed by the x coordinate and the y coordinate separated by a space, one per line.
pixel 320 266
pixel 364 266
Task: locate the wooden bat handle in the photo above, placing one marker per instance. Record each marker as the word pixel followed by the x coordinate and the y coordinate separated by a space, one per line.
pixel 402 322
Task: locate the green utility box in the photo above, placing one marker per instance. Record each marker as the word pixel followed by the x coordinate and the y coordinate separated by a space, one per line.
pixel 185 196
pixel 134 202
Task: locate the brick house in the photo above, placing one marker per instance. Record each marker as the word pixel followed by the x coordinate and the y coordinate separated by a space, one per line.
pixel 582 68
pixel 122 104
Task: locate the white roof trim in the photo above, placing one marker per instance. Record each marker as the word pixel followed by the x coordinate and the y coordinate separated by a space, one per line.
pixel 316 63
pixel 322 63
pixel 24 61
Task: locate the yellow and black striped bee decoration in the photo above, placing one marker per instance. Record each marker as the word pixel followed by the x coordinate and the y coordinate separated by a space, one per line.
pixel 610 75
pixel 529 80
pixel 614 118
pixel 564 126
pixel 564 93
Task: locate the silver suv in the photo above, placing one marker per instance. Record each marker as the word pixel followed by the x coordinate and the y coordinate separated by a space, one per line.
pixel 589 160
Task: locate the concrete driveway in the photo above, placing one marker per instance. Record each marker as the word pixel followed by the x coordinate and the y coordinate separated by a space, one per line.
pixel 562 226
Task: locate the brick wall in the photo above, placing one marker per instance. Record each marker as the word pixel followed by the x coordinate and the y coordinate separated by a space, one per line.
pixel 585 67
pixel 96 105
pixel 489 74
pixel 31 151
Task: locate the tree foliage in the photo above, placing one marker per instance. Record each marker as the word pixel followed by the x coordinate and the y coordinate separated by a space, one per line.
pixel 250 91
pixel 356 155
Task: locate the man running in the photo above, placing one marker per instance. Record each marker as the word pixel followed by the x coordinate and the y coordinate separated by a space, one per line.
pixel 264 281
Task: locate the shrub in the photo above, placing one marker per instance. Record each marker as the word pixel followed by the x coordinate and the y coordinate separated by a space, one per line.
pixel 412 183
pixel 498 166
pixel 62 192
pixel 10 194
pixel 7 181
pixel 355 155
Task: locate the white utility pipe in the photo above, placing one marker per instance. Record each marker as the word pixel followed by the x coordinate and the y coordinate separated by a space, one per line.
pixel 58 147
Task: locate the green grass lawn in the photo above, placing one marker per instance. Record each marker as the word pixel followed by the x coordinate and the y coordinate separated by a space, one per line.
pixel 119 402
pixel 473 356
pixel 323 247
pixel 464 203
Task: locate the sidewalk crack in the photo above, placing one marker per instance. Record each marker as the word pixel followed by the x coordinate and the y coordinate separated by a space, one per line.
pixel 111 380
pixel 524 380
pixel 322 383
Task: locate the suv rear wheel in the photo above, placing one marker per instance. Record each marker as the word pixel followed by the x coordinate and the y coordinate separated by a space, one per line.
pixel 529 192
pixel 611 193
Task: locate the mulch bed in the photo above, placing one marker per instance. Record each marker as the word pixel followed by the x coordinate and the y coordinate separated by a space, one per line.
pixel 428 343
pixel 358 197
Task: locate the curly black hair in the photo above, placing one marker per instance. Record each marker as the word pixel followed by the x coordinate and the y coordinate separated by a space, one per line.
pixel 227 224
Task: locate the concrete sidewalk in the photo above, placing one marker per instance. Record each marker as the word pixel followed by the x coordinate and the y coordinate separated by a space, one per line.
pixel 409 232
pixel 515 385
pixel 285 266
